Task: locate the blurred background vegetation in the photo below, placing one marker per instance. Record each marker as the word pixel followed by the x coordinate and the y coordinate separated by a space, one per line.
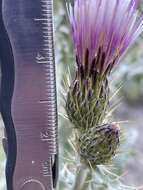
pixel 129 75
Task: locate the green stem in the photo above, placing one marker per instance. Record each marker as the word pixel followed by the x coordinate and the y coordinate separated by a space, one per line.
pixel 87 181
pixel 83 177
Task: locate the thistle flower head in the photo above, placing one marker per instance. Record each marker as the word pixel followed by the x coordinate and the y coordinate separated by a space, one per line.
pixel 102 31
pixel 99 145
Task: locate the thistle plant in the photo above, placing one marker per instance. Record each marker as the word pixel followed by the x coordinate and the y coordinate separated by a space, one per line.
pixel 102 32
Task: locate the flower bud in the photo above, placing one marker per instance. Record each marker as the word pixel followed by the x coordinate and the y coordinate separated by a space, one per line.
pixel 99 144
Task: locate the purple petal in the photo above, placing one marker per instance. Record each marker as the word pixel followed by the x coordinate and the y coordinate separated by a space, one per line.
pixel 111 25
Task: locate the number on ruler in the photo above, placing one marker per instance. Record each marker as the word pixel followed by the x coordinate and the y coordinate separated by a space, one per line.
pixel 44 136
pixel 46 169
pixel 41 59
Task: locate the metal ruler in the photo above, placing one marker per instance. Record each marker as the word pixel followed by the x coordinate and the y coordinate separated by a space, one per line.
pixel 28 94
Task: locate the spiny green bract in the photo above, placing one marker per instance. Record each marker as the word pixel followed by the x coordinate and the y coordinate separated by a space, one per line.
pixel 98 145
pixel 87 100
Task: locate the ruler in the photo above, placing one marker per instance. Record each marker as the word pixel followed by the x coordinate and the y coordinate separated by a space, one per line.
pixel 28 95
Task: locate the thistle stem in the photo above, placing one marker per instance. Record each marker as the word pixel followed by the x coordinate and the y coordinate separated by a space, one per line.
pixel 83 176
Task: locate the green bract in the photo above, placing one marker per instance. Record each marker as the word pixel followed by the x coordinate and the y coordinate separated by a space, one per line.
pixel 87 99
pixel 98 145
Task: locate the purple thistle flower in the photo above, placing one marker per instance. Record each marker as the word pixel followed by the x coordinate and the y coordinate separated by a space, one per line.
pixel 103 30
